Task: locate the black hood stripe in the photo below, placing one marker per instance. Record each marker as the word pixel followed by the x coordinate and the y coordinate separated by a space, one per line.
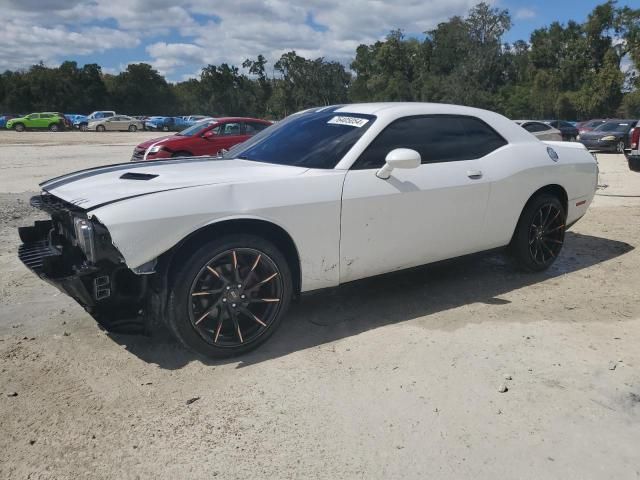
pixel 91 172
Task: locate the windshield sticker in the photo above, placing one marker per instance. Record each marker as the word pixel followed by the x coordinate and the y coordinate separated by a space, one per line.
pixel 350 121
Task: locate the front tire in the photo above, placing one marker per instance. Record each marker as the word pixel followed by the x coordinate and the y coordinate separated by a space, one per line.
pixel 84 127
pixel 19 127
pixel 100 128
pixel 165 129
pixel 539 235
pixel 229 296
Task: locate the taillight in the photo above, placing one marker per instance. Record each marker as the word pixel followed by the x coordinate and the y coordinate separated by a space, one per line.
pixel 635 138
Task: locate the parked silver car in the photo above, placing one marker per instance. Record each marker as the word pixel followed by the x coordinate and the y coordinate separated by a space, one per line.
pixel 541 130
pixel 117 122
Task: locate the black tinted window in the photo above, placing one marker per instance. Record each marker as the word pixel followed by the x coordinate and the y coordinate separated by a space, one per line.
pixel 437 139
pixel 535 127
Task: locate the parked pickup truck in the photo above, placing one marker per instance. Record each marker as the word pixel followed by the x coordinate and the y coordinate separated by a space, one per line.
pixel 83 121
pixel 633 152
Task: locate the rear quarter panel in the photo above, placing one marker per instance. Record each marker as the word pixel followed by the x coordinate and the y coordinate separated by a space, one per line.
pixel 528 168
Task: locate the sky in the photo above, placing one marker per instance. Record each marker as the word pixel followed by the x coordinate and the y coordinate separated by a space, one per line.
pixel 179 37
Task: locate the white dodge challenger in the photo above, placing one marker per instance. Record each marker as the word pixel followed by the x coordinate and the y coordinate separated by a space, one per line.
pixel 215 248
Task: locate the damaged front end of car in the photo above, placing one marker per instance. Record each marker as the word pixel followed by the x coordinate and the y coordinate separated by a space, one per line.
pixel 75 253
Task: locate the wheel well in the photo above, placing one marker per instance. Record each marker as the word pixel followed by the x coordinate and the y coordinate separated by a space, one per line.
pixel 275 234
pixel 557 191
pixel 182 153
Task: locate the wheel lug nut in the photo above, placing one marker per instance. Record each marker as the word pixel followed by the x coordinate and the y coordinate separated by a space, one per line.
pixel 243 296
pixel 224 300
pixel 239 286
pixel 228 288
pixel 233 305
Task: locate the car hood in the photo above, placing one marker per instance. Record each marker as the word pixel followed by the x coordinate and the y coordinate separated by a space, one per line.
pixel 161 140
pixel 601 133
pixel 96 187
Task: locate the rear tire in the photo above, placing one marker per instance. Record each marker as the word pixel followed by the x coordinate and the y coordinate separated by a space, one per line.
pixel 133 128
pixel 539 235
pixel 54 127
pixel 229 296
pixel 165 129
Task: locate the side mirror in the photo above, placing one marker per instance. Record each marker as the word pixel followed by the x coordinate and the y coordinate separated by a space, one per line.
pixel 209 134
pixel 399 158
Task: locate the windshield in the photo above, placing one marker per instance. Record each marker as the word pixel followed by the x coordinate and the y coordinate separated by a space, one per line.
pixel 310 139
pixel 614 127
pixel 194 129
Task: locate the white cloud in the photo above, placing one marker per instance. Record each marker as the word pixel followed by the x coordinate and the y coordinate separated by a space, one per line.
pixel 184 35
pixel 23 44
pixel 525 14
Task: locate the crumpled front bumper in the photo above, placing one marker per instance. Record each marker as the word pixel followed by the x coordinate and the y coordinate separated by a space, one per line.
pixel 112 295
pixel 44 259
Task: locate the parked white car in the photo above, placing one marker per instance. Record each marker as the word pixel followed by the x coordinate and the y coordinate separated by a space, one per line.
pixel 116 123
pixel 541 130
pixel 216 248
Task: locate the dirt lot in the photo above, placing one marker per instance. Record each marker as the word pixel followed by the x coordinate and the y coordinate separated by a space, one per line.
pixel 393 377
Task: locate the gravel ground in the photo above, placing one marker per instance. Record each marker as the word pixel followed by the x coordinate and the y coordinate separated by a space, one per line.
pixel 392 377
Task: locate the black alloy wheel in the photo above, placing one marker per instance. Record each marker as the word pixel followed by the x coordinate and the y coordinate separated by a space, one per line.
pixel 539 236
pixel 546 234
pixel 230 296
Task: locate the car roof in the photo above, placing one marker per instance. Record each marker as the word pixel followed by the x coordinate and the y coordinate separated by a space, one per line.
pixel 238 119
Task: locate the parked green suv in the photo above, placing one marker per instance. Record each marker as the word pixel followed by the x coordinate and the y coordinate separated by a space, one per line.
pixel 49 120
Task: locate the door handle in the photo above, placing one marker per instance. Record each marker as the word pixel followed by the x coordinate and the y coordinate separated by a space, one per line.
pixel 474 174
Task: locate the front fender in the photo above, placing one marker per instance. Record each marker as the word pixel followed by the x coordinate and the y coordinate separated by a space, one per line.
pixel 306 207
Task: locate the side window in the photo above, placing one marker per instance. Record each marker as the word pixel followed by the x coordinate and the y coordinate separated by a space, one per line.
pixel 438 138
pixel 535 127
pixel 230 129
pixel 251 128
pixel 479 139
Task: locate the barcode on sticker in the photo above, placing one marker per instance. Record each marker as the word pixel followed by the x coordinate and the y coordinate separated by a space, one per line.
pixel 350 121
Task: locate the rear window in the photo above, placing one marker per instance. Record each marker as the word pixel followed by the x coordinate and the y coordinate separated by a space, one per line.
pixel 614 127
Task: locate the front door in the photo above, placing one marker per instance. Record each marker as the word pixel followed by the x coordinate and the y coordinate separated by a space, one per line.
pixel 421 215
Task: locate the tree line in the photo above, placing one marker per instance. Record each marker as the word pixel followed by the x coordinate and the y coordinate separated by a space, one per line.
pixel 570 71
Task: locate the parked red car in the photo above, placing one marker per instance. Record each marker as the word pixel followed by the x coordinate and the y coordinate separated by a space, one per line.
pixel 205 138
